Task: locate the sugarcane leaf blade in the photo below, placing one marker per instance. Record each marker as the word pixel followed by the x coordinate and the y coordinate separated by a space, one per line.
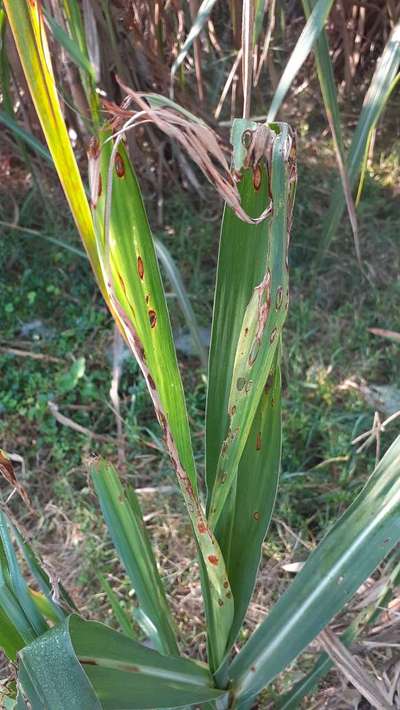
pixel 348 554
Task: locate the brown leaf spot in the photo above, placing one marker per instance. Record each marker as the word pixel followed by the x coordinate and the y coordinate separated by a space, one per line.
pixel 223 478
pixel 257 177
pixel 152 318
pixel 256 516
pixel 140 267
pixel 246 330
pixel 233 410
pixel 151 382
pixel 273 335
pixel 226 584
pixel 119 165
pixel 220 602
pixel 147 299
pixel 258 441
pixel 99 186
pixel 279 298
pixel 202 528
pixel 213 559
pixel 228 595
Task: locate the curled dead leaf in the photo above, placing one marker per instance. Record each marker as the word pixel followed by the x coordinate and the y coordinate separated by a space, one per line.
pixel 7 471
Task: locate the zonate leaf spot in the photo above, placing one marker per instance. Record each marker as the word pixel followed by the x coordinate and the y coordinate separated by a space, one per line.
pixel 220 602
pixel 213 559
pixel 273 335
pixel 152 318
pixel 256 515
pixel 119 165
pixel 233 410
pixel 140 267
pixel 240 383
pixel 258 441
pixel 202 528
pixel 226 584
pixel 279 298
pixel 257 177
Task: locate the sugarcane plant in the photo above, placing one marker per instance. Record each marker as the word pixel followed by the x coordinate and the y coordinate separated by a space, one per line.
pixel 66 662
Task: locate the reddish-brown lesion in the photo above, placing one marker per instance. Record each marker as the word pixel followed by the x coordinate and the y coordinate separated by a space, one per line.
pixel 140 267
pixel 152 318
pixel 119 165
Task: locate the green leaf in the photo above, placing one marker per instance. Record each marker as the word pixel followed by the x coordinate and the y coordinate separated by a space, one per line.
pixel 303 47
pixel 376 98
pixel 135 289
pixel 51 676
pixel 126 527
pixel 68 380
pixel 349 553
pixel 113 672
pixel 16 585
pixel 25 136
pixel 262 321
pixel 119 613
pixel 11 640
pixel 71 46
pixel 244 254
pixel 368 615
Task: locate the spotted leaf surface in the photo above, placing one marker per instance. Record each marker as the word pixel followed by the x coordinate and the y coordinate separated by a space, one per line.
pixel 135 290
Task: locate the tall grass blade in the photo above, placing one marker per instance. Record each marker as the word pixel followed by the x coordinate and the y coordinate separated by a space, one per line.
pixel 119 613
pixel 329 578
pixel 126 527
pixel 309 35
pixel 198 25
pixel 376 98
pixel 26 22
pixel 17 583
pixel 70 46
pixel 28 138
pixel 175 279
pixel 329 94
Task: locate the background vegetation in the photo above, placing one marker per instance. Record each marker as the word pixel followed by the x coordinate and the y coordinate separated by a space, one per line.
pixel 58 350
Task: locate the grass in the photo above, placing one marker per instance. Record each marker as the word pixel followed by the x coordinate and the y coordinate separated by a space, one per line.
pixel 51 308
